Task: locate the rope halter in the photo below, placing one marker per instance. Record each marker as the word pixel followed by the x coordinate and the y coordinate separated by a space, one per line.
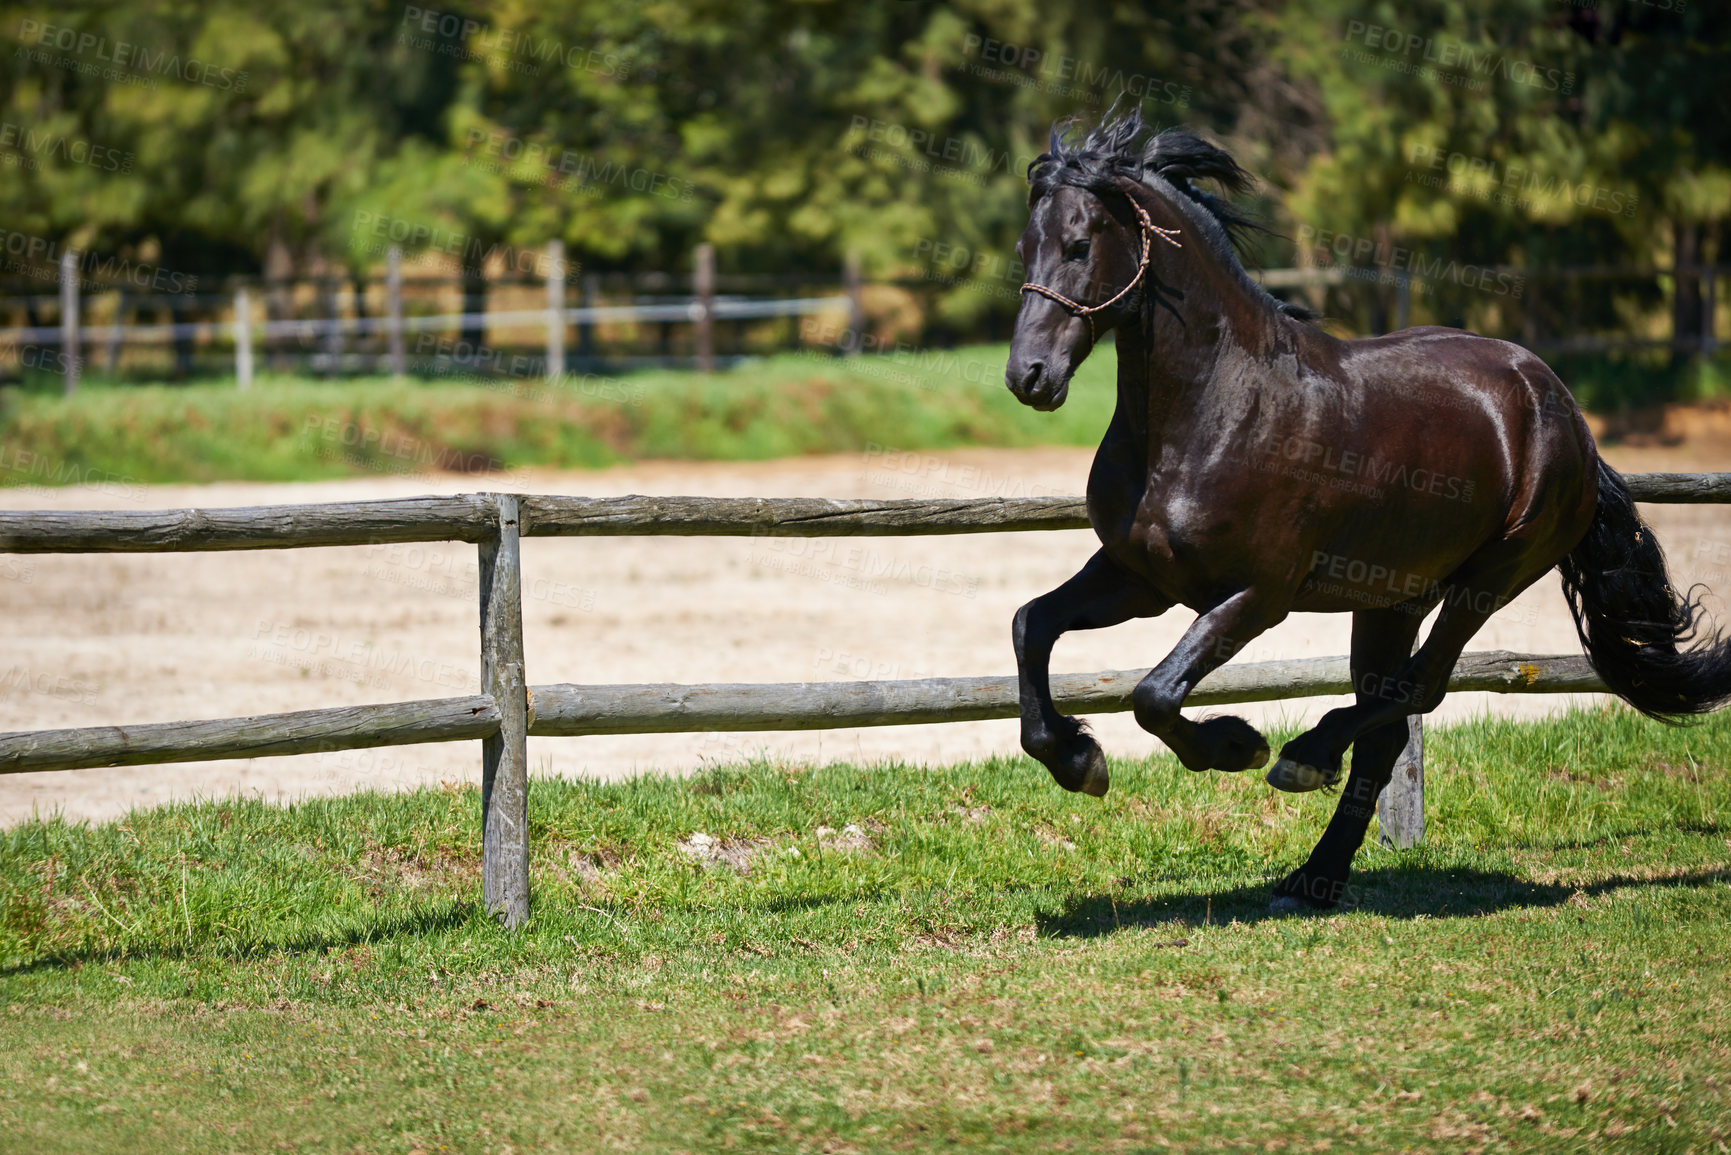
pixel 1148 229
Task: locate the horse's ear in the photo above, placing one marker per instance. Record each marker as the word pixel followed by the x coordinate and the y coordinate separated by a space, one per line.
pixel 1131 187
pixel 1116 133
pixel 1060 133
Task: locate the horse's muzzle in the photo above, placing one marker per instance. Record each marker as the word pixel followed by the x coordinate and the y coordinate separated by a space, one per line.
pixel 1035 386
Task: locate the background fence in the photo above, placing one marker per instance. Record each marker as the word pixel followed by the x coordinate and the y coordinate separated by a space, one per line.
pixel 537 318
pixel 339 325
pixel 508 710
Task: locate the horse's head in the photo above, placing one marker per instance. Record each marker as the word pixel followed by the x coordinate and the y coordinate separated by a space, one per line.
pixel 1115 225
pixel 1087 252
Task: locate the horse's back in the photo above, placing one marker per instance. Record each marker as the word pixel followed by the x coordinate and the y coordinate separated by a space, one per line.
pixel 1482 401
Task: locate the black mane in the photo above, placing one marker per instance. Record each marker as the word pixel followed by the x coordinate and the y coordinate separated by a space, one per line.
pixel 1114 151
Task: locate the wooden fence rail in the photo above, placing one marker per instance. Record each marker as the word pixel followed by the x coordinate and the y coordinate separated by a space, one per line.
pixel 566 710
pixel 260 736
pixel 471 517
pixel 508 710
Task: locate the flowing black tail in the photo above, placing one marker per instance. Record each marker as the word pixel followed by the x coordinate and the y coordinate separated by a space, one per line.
pixel 1652 647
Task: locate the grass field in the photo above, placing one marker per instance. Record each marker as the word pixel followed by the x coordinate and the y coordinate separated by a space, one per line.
pixel 967 958
pixel 301 429
pixel 298 429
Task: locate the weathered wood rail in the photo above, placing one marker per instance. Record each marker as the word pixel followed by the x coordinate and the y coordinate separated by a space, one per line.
pixel 508 710
pixel 472 517
pixel 260 736
pixel 566 710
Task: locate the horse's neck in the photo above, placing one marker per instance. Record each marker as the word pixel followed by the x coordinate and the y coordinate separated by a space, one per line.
pixel 1158 397
pixel 1128 452
pixel 1170 374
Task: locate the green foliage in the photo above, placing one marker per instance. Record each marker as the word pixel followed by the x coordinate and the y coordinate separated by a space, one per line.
pixel 1513 132
pixel 248 138
pixel 911 955
pixel 787 132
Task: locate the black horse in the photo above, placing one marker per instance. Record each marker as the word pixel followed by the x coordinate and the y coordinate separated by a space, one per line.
pixel 1256 466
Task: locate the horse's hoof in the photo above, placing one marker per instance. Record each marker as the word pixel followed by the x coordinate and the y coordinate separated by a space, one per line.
pixel 1299 778
pixel 1097 779
pixel 1231 745
pixel 1257 760
pixel 1081 767
pixel 1282 904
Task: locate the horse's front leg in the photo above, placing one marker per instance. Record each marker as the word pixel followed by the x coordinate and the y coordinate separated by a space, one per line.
pixel 1103 593
pixel 1221 743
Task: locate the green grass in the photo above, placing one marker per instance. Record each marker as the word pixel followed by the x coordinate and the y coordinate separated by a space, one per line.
pixel 1003 967
pixel 298 429
pixel 295 430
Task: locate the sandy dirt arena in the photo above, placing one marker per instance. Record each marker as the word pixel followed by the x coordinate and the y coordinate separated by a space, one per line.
pixel 107 639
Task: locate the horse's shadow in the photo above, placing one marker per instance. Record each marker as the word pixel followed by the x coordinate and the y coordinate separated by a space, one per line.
pixel 1393 892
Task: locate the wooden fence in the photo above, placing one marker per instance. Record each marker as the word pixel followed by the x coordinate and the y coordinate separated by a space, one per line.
pixel 508 710
pixel 377 343
pixel 702 309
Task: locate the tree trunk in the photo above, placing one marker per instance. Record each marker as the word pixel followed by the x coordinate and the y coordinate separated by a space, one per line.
pixel 1379 291
pixel 180 312
pixel 474 303
pixel 279 269
pixel 1686 299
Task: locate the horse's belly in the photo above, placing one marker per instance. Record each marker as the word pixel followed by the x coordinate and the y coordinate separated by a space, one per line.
pixel 1364 585
pixel 1376 564
pixel 1366 560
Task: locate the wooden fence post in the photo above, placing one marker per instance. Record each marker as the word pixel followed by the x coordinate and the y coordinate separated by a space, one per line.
pixel 394 309
pixel 703 282
pixel 1708 338
pixel 1400 808
pixel 116 332
pixel 242 340
pixel 504 757
pixel 854 339
pixel 555 308
pixel 69 318
pixel 586 329
pixel 334 335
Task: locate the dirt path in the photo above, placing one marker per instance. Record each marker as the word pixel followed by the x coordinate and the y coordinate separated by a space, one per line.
pixel 97 639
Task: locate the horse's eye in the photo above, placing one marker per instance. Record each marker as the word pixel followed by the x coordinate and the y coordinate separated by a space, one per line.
pixel 1077 251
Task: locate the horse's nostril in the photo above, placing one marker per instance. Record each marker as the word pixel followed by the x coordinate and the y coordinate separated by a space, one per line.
pixel 1031 379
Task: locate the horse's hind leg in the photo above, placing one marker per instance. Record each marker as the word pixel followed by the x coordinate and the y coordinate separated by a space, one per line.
pixel 1381 643
pixel 1486 583
pixel 1101 594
